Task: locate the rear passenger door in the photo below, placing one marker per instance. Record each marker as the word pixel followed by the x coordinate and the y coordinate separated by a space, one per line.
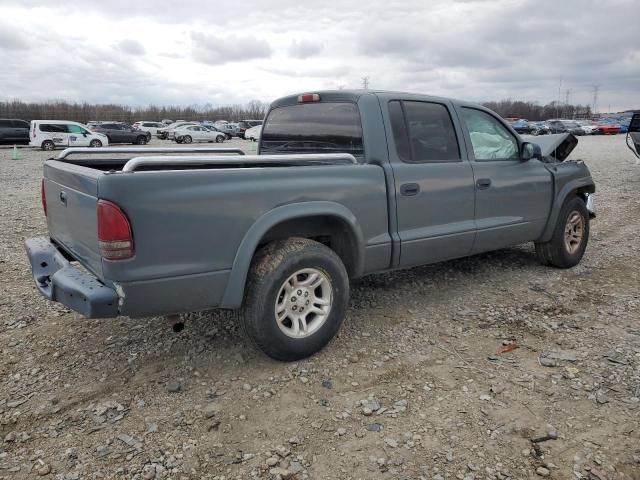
pixel 434 185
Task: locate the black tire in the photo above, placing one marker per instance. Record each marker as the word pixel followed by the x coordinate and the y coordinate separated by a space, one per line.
pixel 95 143
pixel 187 139
pixel 555 252
pixel 141 140
pixel 272 266
pixel 48 145
pixel 178 139
pixel 219 139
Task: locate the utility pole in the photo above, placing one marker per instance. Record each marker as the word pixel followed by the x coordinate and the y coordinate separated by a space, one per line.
pixel 558 102
pixel 567 96
pixel 365 83
pixel 596 88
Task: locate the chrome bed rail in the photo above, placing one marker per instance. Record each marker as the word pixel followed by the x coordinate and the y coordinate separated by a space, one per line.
pixel 102 150
pixel 297 159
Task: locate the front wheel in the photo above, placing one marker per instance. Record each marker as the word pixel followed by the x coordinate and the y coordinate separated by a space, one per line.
pixel 570 236
pixel 219 139
pixel 141 140
pixel 187 139
pixel 297 296
pixel 48 145
pixel 95 143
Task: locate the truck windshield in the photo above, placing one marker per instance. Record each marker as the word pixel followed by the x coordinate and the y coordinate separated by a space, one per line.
pixel 313 128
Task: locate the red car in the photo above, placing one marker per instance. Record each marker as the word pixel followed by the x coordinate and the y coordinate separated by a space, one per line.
pixel 608 129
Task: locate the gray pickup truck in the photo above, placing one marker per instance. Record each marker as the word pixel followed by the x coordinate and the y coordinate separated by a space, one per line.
pixel 346 183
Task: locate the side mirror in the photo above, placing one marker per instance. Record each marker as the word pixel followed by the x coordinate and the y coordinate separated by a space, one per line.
pixel 530 150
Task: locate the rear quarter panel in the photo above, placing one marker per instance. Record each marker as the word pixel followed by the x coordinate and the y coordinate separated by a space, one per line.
pixel 193 221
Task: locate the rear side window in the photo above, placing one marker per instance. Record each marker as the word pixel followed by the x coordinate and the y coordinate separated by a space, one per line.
pixel 53 128
pixel 20 124
pixel 328 127
pixel 5 124
pixel 423 132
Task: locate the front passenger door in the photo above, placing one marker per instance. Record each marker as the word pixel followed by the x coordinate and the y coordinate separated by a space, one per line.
pixel 513 196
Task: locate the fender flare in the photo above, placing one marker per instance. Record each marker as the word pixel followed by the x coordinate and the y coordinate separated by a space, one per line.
pixel 234 292
pixel 566 190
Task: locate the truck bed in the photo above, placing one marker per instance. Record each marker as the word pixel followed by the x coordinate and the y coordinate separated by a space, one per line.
pixel 176 205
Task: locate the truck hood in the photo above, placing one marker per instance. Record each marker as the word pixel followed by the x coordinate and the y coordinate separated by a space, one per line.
pixel 555 147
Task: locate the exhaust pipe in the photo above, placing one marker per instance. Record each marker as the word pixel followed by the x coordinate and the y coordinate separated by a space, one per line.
pixel 177 325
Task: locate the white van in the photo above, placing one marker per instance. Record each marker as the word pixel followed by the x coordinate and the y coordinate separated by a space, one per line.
pixel 50 134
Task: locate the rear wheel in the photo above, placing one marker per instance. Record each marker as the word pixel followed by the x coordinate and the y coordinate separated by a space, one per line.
pixel 219 139
pixel 297 296
pixel 95 143
pixel 187 139
pixel 141 140
pixel 570 236
pixel 48 145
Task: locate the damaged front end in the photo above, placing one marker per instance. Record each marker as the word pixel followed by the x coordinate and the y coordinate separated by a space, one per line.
pixel 554 148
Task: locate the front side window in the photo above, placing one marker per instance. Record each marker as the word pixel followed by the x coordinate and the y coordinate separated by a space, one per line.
pixel 319 127
pixel 490 138
pixel 423 132
pixel 76 129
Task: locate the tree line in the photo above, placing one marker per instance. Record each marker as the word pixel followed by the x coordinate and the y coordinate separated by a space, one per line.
pixel 535 111
pixel 85 112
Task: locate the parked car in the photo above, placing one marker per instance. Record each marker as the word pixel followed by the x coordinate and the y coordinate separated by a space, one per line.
pixel 166 121
pixel 168 131
pixel 608 129
pixel 14 130
pixel 589 128
pixel 565 126
pixel 227 136
pixel 197 133
pixel 146 126
pixel 51 134
pixel 243 125
pixel 231 129
pixel 361 182
pixel 118 132
pixel 521 126
pixel 539 128
pixel 253 133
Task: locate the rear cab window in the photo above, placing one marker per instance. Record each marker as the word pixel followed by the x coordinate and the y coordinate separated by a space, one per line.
pixel 318 127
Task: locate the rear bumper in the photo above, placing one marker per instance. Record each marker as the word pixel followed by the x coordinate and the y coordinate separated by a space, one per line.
pixel 58 280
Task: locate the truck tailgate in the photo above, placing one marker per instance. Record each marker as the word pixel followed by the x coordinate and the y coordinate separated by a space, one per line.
pixel 71 192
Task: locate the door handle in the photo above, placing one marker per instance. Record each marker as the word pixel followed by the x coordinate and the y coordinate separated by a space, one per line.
pixel 63 197
pixel 409 189
pixel 483 183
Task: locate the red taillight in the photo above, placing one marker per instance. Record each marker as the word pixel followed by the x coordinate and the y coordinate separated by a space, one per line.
pixel 308 97
pixel 43 197
pixel 114 232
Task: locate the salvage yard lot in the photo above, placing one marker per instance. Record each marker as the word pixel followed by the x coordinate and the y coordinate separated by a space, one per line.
pixel 423 381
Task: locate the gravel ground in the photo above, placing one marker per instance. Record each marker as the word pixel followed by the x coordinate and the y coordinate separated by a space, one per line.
pixel 421 383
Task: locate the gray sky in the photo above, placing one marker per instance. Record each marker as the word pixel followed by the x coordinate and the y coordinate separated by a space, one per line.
pixel 187 51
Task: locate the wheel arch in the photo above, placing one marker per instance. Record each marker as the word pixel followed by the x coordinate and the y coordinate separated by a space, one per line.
pixel 329 222
pixel 580 187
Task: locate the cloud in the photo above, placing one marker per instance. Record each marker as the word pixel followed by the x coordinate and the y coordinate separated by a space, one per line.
pixel 469 49
pixel 12 39
pixel 214 50
pixel 131 47
pixel 304 49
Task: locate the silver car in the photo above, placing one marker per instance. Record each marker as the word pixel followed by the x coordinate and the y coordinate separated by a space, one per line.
pixel 197 133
